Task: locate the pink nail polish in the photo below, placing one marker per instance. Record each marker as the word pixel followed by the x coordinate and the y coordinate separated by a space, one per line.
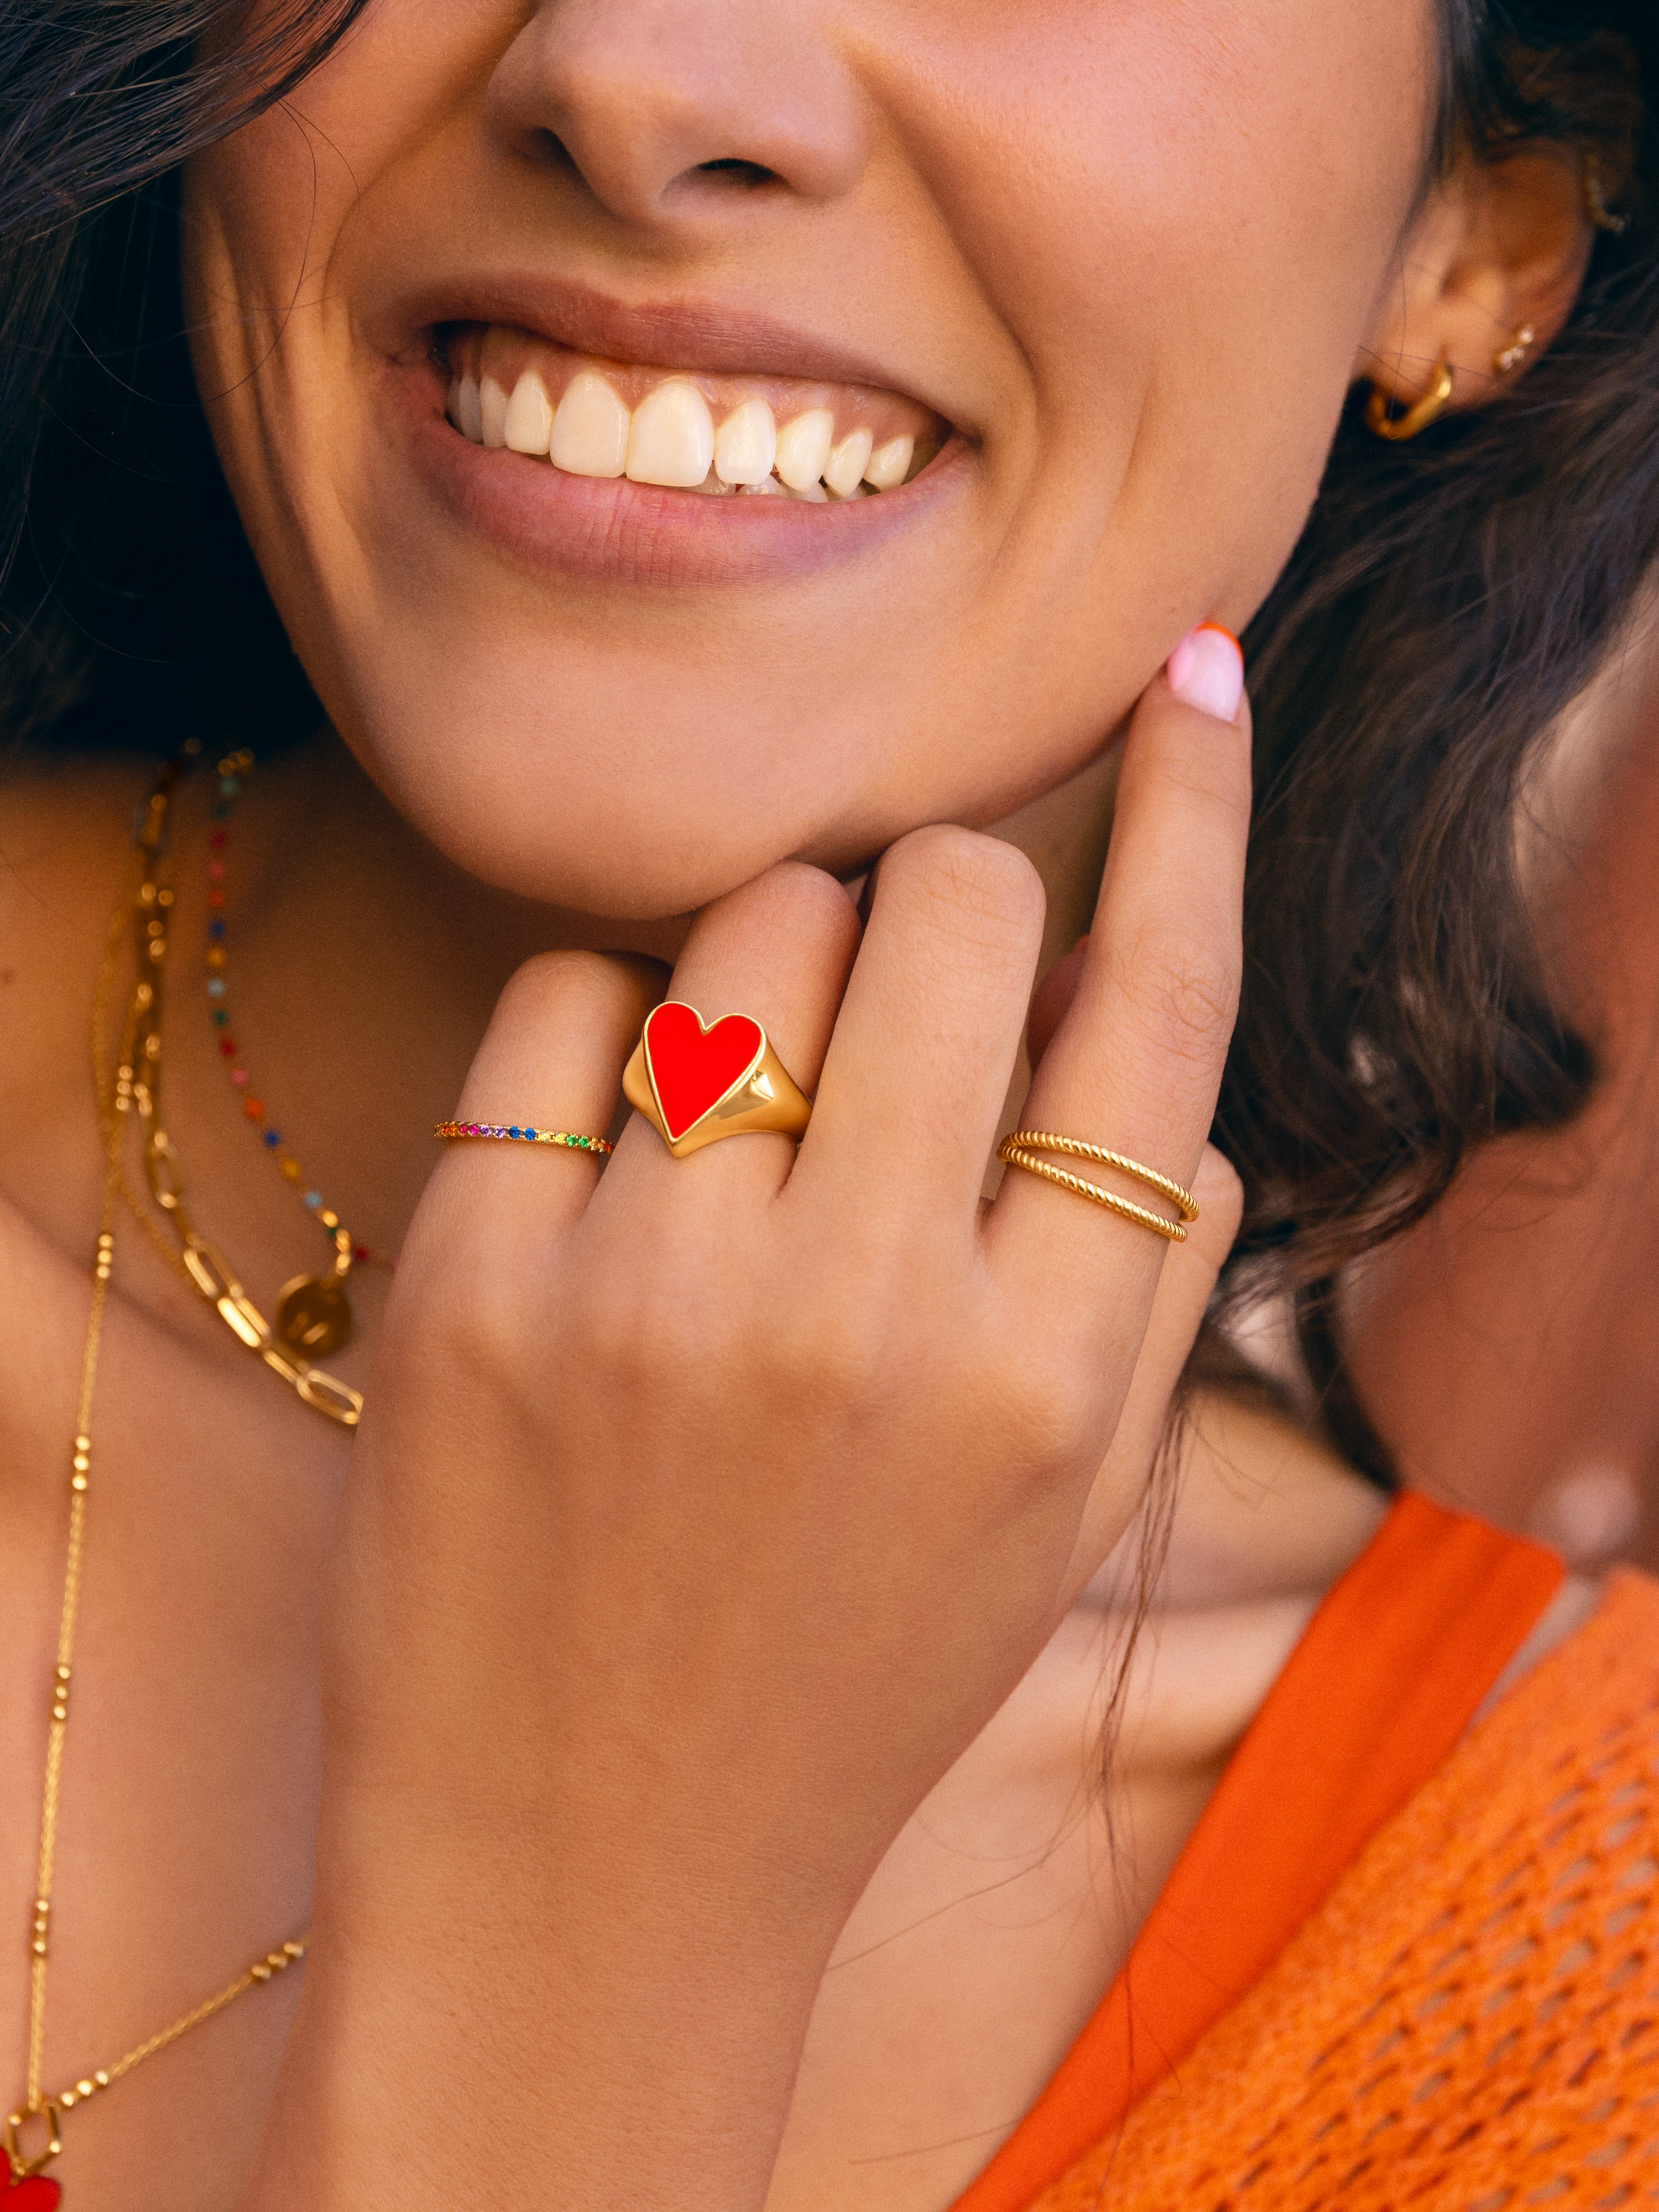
pixel 1206 670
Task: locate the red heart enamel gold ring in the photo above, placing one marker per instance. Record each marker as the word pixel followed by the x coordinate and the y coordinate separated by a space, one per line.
pixel 697 1081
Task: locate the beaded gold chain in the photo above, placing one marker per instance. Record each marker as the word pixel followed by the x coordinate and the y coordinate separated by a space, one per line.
pixel 312 1313
pixel 28 2187
pixel 203 1265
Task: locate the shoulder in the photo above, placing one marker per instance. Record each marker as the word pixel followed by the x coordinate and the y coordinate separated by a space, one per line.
pixel 1470 2011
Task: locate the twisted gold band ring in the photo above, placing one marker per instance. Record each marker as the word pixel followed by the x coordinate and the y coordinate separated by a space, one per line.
pixel 1021 1148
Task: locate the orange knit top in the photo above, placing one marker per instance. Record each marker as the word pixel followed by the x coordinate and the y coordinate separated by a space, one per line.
pixel 1402 1962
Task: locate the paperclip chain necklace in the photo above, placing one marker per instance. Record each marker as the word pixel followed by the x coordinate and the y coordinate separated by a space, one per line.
pixel 204 1265
pixel 25 2185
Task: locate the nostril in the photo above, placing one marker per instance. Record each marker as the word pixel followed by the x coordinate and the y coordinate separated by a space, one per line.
pixel 748 173
pixel 556 153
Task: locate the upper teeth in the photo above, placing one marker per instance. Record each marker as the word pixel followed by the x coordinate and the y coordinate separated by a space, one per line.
pixel 671 436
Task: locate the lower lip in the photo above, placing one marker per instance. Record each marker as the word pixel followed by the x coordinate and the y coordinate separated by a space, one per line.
pixel 611 530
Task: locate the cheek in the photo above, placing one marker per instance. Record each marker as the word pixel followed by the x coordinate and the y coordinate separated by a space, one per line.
pixel 269 218
pixel 1186 211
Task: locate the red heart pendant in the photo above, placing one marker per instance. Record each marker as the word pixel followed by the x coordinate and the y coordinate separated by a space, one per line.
pixel 37 2194
pixel 693 1068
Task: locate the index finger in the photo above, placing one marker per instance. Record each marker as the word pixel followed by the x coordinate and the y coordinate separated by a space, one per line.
pixel 1136 1065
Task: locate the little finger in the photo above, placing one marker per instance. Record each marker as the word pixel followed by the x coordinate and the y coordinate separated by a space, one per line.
pixel 1135 1064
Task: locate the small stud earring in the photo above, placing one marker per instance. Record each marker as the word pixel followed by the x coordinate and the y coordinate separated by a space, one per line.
pixel 1595 201
pixel 1506 361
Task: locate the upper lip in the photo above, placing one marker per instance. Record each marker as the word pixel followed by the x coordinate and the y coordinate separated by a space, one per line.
pixel 672 333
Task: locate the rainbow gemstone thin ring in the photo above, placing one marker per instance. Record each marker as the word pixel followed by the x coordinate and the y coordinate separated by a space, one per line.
pixel 521 1133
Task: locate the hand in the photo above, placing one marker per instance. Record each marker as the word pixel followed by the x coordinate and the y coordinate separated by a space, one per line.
pixel 707 1509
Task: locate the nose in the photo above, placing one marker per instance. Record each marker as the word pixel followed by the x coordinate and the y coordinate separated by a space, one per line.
pixel 670 111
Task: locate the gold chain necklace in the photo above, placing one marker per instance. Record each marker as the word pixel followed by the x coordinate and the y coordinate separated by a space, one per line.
pixel 25 2185
pixel 204 1265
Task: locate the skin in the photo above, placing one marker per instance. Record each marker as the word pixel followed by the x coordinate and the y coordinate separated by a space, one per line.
pixel 1505 1347
pixel 607 1640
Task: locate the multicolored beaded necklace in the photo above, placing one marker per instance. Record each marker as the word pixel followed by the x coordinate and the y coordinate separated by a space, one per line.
pixel 312 1313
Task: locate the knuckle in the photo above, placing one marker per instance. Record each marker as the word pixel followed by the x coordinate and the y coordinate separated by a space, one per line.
pixel 973 887
pixel 576 988
pixel 1052 1408
pixel 1183 991
pixel 1218 1186
pixel 834 1356
pixel 793 892
pixel 636 1324
pixel 458 1315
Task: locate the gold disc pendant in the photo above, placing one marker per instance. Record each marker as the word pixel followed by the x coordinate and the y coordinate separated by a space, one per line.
pixel 313 1317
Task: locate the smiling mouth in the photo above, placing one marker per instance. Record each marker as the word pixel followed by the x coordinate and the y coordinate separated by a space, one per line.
pixel 717 435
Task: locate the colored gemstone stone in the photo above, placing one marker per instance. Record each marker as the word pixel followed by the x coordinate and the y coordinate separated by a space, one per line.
pixel 531 1134
pixel 515 1130
pixel 254 1108
pixel 216 929
pixel 239 1077
pixel 215 987
pixel 313 1199
pixel 272 1139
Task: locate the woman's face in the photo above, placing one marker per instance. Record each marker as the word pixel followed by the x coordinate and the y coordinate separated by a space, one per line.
pixel 1116 261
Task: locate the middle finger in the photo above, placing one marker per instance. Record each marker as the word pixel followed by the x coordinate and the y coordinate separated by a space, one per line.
pixel 930 1029
pixel 778 949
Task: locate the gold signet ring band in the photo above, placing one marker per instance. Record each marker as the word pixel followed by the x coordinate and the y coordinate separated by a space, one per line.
pixel 1021 1149
pixel 697 1081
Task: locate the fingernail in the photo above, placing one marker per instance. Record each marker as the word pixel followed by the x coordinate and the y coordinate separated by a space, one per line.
pixel 1206 670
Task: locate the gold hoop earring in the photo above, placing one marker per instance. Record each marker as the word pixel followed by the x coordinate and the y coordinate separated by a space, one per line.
pixel 1509 358
pixel 1417 418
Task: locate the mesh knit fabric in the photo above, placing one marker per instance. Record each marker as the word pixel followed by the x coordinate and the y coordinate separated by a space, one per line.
pixel 1471 2021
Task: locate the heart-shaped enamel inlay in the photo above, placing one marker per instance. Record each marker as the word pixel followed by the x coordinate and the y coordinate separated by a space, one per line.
pixel 37 2194
pixel 693 1068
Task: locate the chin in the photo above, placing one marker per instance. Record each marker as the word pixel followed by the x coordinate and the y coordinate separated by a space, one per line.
pixel 636 819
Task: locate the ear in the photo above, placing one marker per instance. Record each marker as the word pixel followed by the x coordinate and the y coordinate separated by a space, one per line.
pixel 1497 250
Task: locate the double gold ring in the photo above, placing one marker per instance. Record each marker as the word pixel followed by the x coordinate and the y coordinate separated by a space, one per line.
pixel 1021 1149
pixel 697 1081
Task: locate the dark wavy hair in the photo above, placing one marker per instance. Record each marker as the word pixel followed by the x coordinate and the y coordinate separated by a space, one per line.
pixel 1448 598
